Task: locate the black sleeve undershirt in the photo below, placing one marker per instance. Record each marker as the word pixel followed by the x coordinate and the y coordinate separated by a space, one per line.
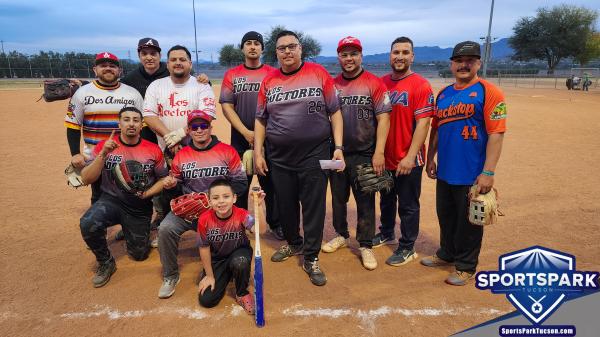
pixel 73 138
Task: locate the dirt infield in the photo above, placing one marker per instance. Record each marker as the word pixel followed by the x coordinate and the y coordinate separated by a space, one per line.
pixel 547 181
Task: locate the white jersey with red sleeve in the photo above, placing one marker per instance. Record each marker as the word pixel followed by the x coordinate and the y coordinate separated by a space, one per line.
pixel 173 102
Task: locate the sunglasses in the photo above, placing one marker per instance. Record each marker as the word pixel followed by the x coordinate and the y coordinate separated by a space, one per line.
pixel 202 126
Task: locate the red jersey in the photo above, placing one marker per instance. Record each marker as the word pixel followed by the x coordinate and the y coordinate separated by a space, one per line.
pixel 223 236
pixel 296 107
pixel 362 98
pixel 240 87
pixel 145 152
pixel 198 168
pixel 412 99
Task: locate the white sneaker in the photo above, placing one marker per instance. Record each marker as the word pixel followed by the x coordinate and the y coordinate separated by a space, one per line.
pixel 154 243
pixel 168 287
pixel 368 258
pixel 335 244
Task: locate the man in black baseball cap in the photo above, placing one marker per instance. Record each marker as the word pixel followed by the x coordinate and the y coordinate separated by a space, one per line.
pixel 466 48
pixel 148 42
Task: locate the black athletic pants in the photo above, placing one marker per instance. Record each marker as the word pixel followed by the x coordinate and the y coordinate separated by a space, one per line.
pixel 272 214
pixel 460 241
pixel 405 198
pixel 307 188
pixel 236 266
pixel 107 212
pixel 341 183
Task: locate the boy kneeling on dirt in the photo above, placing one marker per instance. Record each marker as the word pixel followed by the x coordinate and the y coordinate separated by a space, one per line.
pixel 225 248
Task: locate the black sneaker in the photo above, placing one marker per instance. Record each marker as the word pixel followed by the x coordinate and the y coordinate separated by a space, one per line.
pixel 285 252
pixel 103 273
pixel 315 274
pixel 401 257
pixel 278 233
pixel 120 235
pixel 380 240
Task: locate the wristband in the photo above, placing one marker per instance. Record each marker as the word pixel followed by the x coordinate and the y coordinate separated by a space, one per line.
pixel 339 147
pixel 487 173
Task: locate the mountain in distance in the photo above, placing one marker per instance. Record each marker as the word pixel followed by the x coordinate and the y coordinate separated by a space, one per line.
pixel 500 50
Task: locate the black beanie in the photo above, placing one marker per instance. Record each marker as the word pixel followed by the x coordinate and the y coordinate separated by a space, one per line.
pixel 252 35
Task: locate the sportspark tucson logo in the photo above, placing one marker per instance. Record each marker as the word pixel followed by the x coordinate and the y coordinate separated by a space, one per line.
pixel 536 281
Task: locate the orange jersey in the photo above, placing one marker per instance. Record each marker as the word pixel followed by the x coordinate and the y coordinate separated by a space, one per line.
pixel 464 118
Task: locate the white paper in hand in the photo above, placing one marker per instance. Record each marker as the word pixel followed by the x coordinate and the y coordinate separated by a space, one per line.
pixel 331 164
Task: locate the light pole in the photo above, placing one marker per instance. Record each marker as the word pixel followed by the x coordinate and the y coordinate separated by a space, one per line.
pixel 195 35
pixel 488 43
pixel 10 74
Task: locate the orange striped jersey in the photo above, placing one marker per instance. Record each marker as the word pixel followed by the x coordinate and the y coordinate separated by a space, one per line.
pixel 412 99
pixel 95 109
pixel 464 118
pixel 224 236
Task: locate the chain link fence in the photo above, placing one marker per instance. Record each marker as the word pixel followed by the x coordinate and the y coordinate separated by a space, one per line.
pixel 45 66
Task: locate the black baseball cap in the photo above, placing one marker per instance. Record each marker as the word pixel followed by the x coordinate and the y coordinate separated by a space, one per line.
pixel 148 42
pixel 252 35
pixel 466 48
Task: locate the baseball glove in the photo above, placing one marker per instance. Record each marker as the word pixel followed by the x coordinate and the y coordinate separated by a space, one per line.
pixel 131 177
pixel 73 176
pixel 370 182
pixel 248 162
pixel 190 206
pixel 56 90
pixel 483 208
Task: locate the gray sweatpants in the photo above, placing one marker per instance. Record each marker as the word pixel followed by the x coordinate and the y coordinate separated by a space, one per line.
pixel 169 235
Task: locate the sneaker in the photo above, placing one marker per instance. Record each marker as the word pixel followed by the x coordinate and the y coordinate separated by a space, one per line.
pixel 335 244
pixel 277 233
pixel 103 273
pixel 315 274
pixel 459 278
pixel 368 258
pixel 380 240
pixel 247 302
pixel 168 287
pixel 434 261
pixel 154 243
pixel 401 257
pixel 285 252
pixel 120 235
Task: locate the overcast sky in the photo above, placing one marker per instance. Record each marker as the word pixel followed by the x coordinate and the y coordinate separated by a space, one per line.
pixel 116 26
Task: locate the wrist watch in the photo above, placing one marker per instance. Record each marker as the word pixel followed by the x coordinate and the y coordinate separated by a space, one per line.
pixel 339 147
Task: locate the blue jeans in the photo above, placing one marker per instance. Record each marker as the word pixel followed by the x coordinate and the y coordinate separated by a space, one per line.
pixel 405 199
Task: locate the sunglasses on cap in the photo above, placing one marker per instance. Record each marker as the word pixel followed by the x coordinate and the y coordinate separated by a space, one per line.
pixel 201 126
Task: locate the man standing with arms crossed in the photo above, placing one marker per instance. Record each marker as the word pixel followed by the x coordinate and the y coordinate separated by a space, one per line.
pixel 239 93
pixel 94 109
pixel 467 133
pixel 412 108
pixel 365 108
pixel 298 112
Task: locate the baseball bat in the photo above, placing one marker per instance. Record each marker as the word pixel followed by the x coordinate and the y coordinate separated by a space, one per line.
pixel 259 315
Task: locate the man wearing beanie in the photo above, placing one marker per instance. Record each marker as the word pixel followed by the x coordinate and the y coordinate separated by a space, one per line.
pixel 239 93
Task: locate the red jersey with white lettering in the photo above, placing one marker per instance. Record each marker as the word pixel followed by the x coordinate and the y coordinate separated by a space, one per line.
pixel 173 102
pixel 198 168
pixel 145 152
pixel 240 87
pixel 223 236
pixel 412 99
pixel 361 99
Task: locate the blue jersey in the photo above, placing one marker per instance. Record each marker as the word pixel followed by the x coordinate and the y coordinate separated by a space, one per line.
pixel 464 118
